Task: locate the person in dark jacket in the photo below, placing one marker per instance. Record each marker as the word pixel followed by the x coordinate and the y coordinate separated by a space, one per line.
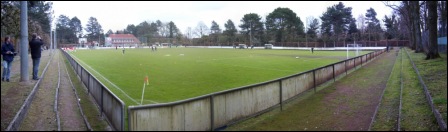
pixel 8 53
pixel 35 47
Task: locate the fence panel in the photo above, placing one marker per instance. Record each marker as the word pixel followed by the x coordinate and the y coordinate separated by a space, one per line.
pixel 350 64
pixel 189 116
pixel 369 56
pixel 151 119
pixel 324 74
pixel 339 68
pixel 85 77
pixel 357 61
pixel 295 85
pixel 78 69
pixel 178 118
pixel 113 109
pixel 231 106
pixel 197 115
pixel 95 90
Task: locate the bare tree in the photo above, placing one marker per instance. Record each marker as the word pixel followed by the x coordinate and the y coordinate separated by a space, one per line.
pixel 164 30
pixel 361 20
pixel 442 17
pixel 189 34
pixel 312 29
pixel 201 29
pixel 410 12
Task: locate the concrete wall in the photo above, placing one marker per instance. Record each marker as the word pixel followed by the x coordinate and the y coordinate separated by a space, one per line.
pixel 296 85
pixel 235 105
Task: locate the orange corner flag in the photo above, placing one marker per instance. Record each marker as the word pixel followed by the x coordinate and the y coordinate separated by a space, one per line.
pixel 147 80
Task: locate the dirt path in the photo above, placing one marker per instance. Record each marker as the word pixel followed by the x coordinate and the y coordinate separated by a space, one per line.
pixel 70 116
pixel 14 93
pixel 346 105
pixel 41 115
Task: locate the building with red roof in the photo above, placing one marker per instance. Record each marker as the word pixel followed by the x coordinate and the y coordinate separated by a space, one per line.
pixel 120 40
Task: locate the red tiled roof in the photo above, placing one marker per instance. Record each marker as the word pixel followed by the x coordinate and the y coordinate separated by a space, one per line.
pixel 123 36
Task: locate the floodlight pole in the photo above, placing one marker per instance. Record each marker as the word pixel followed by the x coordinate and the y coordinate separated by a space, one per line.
pixel 306 34
pixel 250 33
pixel 51 38
pixel 24 76
pixel 55 40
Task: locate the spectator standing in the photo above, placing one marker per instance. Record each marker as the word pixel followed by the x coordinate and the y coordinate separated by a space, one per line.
pixel 8 53
pixel 35 47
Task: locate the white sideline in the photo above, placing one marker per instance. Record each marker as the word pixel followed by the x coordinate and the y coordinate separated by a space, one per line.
pixel 260 68
pixel 200 61
pixel 205 60
pixel 247 66
pixel 108 81
pixel 151 101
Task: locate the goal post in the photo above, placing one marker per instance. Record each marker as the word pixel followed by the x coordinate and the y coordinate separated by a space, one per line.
pixel 353 50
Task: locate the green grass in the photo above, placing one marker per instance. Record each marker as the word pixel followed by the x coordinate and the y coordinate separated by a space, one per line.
pixel 182 73
pixel 387 116
pixel 434 74
pixel 416 112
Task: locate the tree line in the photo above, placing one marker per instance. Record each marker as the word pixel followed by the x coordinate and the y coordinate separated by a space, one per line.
pixel 420 22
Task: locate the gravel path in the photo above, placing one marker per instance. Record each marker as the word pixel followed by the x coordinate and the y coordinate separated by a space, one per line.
pixel 71 118
pixel 41 115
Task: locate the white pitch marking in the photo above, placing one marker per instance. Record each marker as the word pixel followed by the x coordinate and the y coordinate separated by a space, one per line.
pixel 108 80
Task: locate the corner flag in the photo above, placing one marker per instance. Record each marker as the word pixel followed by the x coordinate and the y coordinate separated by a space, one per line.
pixel 146 80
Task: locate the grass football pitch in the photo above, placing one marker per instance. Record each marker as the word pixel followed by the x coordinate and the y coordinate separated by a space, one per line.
pixel 181 73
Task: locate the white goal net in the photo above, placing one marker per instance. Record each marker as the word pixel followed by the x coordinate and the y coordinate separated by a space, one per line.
pixel 353 50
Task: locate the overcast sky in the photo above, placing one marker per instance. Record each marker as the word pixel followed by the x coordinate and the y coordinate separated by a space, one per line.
pixel 116 15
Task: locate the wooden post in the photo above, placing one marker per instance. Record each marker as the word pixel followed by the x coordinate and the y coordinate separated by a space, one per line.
pixel 314 80
pixel 281 102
